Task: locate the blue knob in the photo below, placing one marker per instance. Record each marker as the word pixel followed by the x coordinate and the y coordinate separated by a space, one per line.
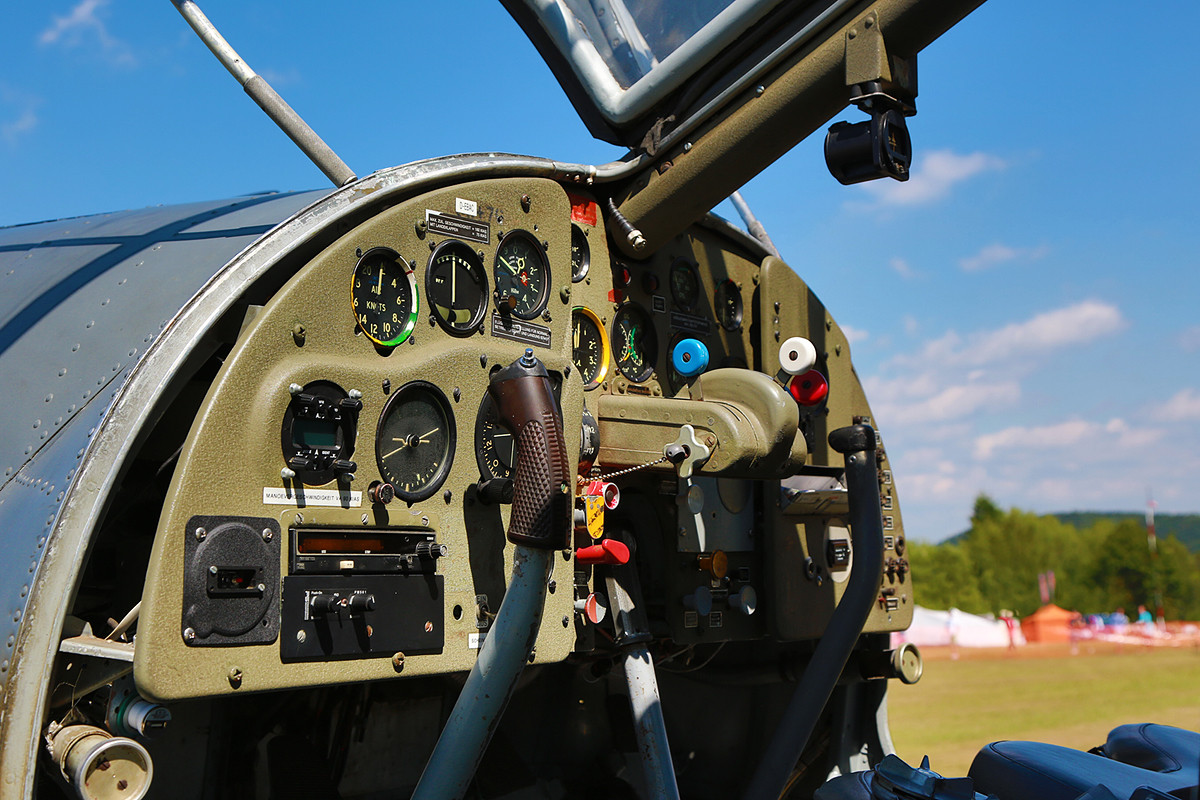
pixel 690 357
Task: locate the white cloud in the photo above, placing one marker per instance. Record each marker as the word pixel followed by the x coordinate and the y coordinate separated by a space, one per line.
pixel 854 334
pixel 1183 406
pixel 1189 339
pixel 941 403
pixel 83 26
pixel 902 268
pixel 1078 324
pixel 1111 438
pixel 10 132
pixel 997 253
pixel 936 174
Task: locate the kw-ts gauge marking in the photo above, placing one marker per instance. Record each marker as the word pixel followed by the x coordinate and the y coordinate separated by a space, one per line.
pixel 414 445
pixel 522 275
pixel 383 294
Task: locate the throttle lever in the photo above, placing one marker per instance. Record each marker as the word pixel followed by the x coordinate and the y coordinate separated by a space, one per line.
pixel 542 498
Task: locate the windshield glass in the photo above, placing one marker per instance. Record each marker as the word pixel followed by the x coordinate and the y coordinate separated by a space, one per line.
pixel 633 37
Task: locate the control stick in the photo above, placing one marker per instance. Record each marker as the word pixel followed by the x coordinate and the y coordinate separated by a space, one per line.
pixel 540 524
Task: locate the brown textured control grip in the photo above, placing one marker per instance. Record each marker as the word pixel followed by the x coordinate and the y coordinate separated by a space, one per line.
pixel 542 496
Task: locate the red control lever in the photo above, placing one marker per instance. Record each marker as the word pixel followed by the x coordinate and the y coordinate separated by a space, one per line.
pixel 607 551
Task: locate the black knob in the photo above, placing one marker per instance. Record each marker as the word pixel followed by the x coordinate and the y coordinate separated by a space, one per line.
pixel 362 602
pixel 382 493
pixel 431 550
pixel 322 604
pixel 495 491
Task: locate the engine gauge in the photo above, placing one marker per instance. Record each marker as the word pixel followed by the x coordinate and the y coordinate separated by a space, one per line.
pixel 590 349
pixel 581 254
pixel 635 342
pixel 522 275
pixel 414 445
pixel 456 285
pixel 685 284
pixel 728 302
pixel 383 292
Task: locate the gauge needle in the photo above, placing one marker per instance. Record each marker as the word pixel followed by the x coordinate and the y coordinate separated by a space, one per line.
pixel 511 444
pixel 379 286
pixel 576 337
pixel 453 290
pixel 511 268
pixel 421 438
pixel 397 450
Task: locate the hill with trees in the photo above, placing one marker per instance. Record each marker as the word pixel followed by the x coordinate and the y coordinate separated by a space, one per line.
pixel 1100 562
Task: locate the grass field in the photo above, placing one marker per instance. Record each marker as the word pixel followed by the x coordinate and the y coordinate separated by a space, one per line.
pixel 1041 693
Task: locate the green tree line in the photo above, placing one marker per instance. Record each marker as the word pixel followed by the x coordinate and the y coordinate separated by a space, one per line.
pixel 1098 568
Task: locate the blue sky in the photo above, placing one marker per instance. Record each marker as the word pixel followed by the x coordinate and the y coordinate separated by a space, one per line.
pixel 1022 311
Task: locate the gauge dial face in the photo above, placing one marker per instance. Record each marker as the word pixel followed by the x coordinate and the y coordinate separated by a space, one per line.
pixel 495 447
pixel 635 342
pixel 685 284
pixel 414 446
pixel 383 293
pixel 456 285
pixel 728 302
pixel 581 254
pixel 590 350
pixel 522 275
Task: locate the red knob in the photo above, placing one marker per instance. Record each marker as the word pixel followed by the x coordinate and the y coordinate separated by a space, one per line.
pixel 808 389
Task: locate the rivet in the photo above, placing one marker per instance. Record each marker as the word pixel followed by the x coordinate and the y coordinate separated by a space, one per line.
pixel 398 662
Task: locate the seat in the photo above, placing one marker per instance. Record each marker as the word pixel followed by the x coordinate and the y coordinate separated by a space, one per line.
pixel 1163 758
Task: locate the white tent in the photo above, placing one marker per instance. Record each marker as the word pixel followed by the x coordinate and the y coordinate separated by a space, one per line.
pixel 935 628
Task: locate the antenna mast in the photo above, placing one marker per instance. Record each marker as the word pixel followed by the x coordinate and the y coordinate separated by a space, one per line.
pixel 267 98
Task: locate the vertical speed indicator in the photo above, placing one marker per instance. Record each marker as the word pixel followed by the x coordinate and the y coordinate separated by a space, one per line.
pixel 383 294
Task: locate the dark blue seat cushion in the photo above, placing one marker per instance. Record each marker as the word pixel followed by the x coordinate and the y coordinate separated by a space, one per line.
pixel 1166 759
pixel 1160 748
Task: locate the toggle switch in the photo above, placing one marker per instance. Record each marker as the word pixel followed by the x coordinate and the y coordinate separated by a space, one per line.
pixel 606 551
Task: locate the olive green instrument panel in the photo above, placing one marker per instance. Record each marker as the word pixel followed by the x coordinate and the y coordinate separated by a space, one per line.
pixel 338 512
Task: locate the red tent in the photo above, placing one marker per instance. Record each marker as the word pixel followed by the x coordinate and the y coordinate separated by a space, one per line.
pixel 1048 624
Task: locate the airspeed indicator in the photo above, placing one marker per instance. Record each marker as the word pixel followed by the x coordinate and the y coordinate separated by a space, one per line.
pixel 383 295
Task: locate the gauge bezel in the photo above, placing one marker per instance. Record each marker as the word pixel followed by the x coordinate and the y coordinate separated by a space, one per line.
pixel 475 262
pixel 411 322
pixel 724 286
pixel 544 295
pixel 651 340
pixel 605 347
pixel 434 483
pixel 585 248
pixel 683 303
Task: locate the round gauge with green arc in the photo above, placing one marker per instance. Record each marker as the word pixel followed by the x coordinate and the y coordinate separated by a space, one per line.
pixel 383 296
pixel 635 342
pixel 415 441
pixel 456 286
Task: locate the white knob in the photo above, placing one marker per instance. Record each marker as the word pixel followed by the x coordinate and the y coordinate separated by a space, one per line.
pixel 797 355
